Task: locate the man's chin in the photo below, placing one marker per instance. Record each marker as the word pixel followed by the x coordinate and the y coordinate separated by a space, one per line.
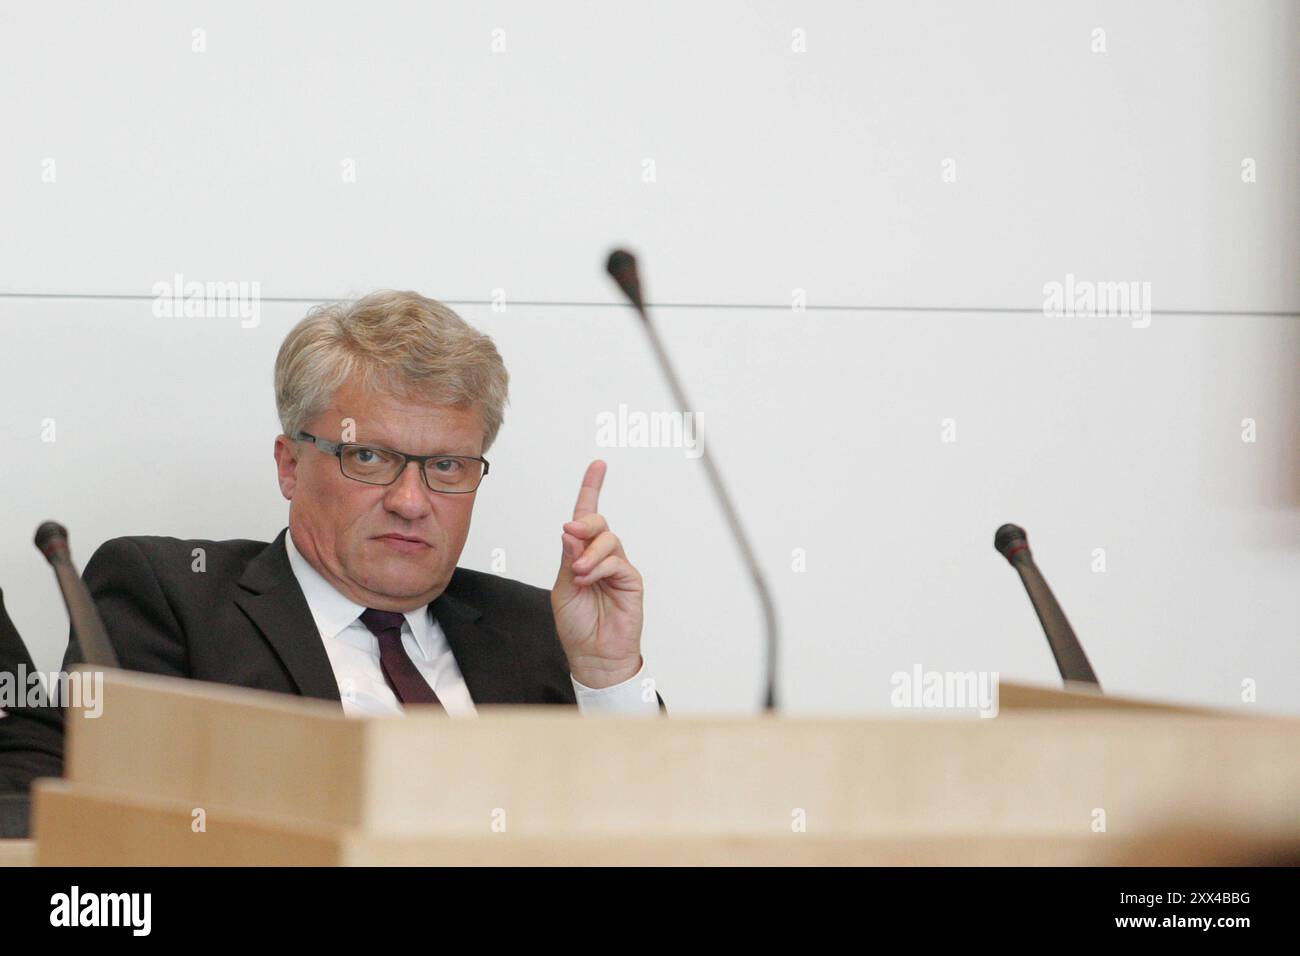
pixel 403 578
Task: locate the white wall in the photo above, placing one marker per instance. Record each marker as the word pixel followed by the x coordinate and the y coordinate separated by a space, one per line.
pixel 775 170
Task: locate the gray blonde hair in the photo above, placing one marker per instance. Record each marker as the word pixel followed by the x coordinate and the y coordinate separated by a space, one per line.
pixel 400 341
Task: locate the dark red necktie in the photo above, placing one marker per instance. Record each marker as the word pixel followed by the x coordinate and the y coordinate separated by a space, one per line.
pixel 399 670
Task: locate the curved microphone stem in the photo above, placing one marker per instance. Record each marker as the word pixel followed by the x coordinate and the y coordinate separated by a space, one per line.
pixel 1071 661
pixel 622 266
pixel 87 627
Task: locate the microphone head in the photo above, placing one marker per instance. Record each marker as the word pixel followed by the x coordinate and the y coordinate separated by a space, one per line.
pixel 50 537
pixel 622 267
pixel 1010 540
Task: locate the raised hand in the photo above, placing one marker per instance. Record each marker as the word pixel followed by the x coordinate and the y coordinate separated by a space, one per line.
pixel 598 595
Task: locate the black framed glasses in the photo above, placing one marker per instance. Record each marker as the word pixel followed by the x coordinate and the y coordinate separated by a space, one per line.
pixel 376 465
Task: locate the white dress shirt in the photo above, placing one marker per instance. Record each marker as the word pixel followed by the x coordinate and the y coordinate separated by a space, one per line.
pixel 354 655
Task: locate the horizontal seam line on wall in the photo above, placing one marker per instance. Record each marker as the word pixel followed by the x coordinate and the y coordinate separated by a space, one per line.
pixel 763 306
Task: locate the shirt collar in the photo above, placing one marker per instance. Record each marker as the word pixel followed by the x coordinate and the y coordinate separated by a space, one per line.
pixel 332 611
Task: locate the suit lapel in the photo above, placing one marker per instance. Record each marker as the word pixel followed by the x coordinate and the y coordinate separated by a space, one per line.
pixel 485 654
pixel 275 604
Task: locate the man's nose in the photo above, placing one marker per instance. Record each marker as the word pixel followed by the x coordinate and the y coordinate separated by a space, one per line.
pixel 408 496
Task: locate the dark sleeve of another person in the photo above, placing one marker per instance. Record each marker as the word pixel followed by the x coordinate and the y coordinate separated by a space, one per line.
pixel 31 738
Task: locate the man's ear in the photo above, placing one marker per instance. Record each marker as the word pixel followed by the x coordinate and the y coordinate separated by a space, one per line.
pixel 286 464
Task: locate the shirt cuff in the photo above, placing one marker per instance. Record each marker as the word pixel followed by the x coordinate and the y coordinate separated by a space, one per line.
pixel 635 697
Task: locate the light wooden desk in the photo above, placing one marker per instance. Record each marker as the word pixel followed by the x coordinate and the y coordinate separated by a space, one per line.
pixel 184 773
pixel 17 852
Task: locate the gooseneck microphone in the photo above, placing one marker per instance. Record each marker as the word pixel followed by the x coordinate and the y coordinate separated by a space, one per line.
pixel 87 628
pixel 1071 661
pixel 622 267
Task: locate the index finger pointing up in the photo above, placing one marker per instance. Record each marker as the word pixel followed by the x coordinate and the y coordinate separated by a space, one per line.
pixel 589 495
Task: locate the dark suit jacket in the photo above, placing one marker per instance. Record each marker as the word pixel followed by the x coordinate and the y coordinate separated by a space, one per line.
pixel 31 738
pixel 244 620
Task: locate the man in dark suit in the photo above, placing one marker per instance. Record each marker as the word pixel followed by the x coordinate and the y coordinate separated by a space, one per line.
pixel 387 405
